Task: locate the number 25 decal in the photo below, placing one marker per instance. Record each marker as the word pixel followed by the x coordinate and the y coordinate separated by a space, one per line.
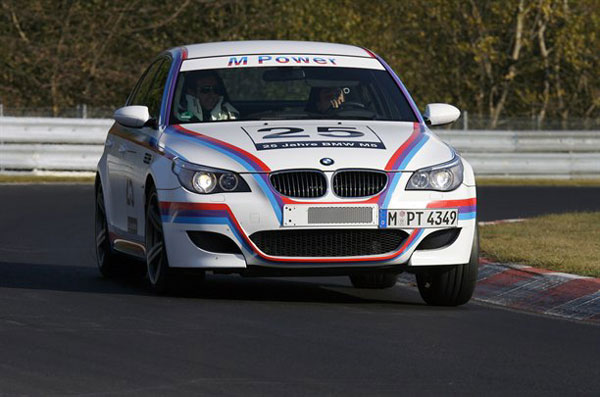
pixel 286 133
pixel 339 132
pixel 295 132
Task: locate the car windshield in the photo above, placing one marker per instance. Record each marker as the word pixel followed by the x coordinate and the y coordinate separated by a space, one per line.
pixel 284 93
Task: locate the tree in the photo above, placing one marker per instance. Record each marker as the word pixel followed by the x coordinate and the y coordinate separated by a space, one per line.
pixel 511 58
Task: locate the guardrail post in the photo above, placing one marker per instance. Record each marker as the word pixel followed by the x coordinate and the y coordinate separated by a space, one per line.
pixel 465 120
pixel 84 111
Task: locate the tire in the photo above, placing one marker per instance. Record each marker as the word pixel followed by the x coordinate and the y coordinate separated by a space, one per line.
pixel 158 272
pixel 106 258
pixel 375 280
pixel 451 285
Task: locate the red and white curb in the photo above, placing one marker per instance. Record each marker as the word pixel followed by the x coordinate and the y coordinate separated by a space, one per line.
pixel 539 290
pixel 534 290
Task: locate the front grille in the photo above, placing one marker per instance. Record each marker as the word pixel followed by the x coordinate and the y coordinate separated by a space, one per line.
pixel 358 183
pixel 306 184
pixel 328 242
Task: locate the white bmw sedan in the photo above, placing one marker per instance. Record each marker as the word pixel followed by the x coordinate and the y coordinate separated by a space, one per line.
pixel 285 158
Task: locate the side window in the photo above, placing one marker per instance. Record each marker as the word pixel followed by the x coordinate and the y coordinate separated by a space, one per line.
pixel 155 93
pixel 139 96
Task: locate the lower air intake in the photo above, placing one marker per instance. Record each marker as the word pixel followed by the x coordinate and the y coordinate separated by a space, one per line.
pixel 439 239
pixel 328 242
pixel 214 242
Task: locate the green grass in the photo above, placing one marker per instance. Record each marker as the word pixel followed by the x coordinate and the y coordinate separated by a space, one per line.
pixel 567 243
pixel 12 178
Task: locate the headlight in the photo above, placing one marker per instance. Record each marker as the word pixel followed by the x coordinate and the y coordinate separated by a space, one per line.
pixel 228 182
pixel 205 180
pixel 441 177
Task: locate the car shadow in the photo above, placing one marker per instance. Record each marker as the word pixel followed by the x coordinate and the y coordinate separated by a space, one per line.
pixel 69 278
pixel 129 280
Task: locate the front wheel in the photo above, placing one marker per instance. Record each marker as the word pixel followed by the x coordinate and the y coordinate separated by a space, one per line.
pixel 159 274
pixel 451 285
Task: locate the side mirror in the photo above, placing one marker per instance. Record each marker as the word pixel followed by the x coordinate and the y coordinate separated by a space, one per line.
pixel 132 116
pixel 440 114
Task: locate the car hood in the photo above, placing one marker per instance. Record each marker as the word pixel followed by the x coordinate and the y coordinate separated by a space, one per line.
pixel 261 146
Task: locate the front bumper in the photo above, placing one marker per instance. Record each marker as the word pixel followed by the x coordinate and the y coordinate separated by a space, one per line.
pixel 239 215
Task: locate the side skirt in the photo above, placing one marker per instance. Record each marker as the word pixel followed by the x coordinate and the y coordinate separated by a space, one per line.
pixel 131 248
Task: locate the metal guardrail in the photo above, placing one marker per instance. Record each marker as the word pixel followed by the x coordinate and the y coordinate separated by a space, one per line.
pixel 522 141
pixel 51 144
pixel 549 154
pixel 49 157
pixel 65 144
pixel 53 130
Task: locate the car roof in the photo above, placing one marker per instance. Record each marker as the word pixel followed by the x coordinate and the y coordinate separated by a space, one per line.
pixel 225 48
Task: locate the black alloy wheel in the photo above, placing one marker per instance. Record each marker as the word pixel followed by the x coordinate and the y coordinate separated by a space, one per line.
pixel 158 272
pixel 451 285
pixel 105 257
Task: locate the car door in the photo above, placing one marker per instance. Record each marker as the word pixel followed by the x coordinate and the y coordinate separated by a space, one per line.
pixel 123 151
pixel 144 155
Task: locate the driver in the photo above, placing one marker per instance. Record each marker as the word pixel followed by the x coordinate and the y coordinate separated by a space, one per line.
pixel 205 99
pixel 326 99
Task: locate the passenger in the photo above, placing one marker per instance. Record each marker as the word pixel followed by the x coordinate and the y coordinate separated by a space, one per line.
pixel 325 99
pixel 206 99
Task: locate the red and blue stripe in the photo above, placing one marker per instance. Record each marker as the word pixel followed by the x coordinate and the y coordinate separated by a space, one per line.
pixel 467 208
pixel 209 214
pixel 258 169
pixel 400 160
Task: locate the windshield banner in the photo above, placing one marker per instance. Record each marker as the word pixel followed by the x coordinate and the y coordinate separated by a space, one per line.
pixel 270 60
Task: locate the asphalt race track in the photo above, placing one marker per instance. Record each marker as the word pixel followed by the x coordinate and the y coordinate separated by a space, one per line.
pixel 65 330
pixel 509 202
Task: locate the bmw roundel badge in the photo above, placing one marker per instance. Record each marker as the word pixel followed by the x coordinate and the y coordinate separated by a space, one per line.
pixel 327 161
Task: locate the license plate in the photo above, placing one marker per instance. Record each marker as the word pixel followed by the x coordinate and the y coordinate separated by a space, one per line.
pixel 330 215
pixel 419 218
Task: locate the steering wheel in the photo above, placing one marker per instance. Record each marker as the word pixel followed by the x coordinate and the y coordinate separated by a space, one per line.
pixel 347 105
